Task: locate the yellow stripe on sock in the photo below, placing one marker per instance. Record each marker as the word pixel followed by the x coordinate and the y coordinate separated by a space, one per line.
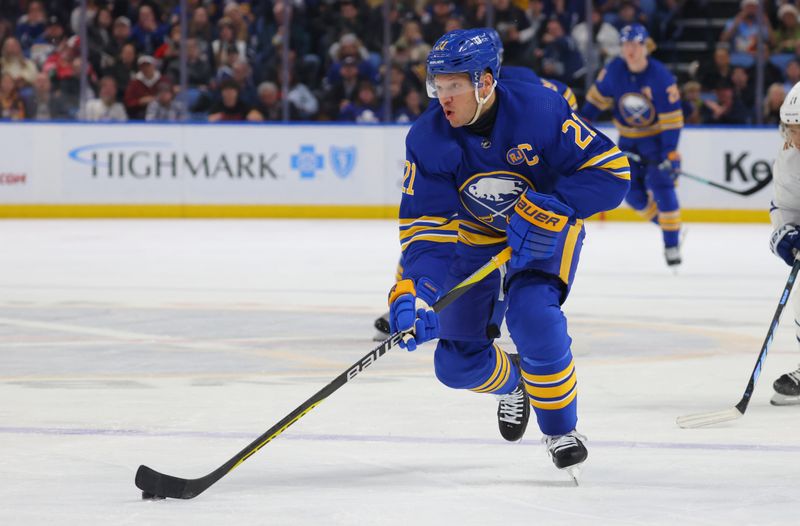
pixel 555 404
pixel 552 392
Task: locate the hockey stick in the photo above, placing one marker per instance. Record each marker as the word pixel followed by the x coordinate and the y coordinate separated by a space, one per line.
pixel 158 485
pixel 707 419
pixel 749 191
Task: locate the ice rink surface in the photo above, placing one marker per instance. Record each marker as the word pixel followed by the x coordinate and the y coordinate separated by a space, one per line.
pixel 177 343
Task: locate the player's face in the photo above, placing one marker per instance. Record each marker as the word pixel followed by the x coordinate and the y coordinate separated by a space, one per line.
pixel 457 96
pixel 634 53
pixel 793 132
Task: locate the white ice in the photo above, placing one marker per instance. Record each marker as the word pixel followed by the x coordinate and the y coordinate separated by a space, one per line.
pixel 176 343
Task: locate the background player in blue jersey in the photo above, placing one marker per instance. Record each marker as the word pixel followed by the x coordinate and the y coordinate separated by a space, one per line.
pixel 500 164
pixel 646 107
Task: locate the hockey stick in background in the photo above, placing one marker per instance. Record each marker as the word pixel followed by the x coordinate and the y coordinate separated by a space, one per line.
pixel 750 191
pixel 707 419
pixel 156 485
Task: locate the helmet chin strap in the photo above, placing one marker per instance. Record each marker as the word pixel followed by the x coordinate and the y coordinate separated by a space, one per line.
pixel 481 102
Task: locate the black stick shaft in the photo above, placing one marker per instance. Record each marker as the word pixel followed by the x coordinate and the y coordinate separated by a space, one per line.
pixel 762 356
pixel 158 484
pixel 750 191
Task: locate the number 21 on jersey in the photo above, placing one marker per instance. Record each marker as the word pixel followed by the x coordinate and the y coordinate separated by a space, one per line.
pixel 408 178
pixel 578 126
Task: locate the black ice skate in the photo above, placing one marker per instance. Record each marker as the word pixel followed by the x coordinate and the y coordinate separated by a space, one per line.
pixel 787 389
pixel 382 325
pixel 513 411
pixel 568 452
pixel 673 257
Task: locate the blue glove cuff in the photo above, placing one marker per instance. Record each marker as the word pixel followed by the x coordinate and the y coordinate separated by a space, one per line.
pixel 428 291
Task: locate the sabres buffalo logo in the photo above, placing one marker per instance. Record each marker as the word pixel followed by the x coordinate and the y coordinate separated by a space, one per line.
pixel 490 197
pixel 636 110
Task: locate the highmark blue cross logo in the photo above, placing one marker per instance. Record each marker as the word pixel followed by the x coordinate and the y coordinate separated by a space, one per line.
pixel 307 161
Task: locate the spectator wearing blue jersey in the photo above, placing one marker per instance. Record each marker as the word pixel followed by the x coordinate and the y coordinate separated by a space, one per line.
pixel 726 108
pixel 31 25
pixel 148 33
pixel 560 57
pixel 366 108
pixel 742 32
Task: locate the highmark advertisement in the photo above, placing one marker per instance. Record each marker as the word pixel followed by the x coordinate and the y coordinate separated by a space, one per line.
pixel 51 170
pixel 225 164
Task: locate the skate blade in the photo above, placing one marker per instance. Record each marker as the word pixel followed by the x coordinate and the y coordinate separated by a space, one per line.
pixel 380 336
pixel 779 399
pixel 574 472
pixel 707 419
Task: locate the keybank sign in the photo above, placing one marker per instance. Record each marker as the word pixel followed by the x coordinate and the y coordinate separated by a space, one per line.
pixel 154 159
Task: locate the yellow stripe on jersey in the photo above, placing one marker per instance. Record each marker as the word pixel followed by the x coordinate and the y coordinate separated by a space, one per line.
pixel 432 220
pixel 473 234
pixel 612 161
pixel 637 133
pixel 478 240
pixel 428 228
pixel 598 99
pixel 499 377
pixel 569 250
pixel 672 120
pixel 571 99
pixel 671 115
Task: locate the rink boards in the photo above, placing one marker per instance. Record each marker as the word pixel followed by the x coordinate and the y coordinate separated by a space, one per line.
pixel 311 171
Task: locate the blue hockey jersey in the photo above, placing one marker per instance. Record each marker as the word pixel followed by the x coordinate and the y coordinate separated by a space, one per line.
pixel 460 188
pixel 528 75
pixel 645 106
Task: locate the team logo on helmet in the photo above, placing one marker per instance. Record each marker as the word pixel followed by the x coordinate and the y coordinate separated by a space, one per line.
pixel 490 197
pixel 636 110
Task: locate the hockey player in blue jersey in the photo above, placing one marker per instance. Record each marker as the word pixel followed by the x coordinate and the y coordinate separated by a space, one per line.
pixel 646 108
pixel 500 164
pixel 506 73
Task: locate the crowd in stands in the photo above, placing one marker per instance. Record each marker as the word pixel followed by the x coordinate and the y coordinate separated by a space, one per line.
pixel 336 67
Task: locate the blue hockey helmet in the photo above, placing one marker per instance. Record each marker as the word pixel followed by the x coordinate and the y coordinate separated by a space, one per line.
pixel 634 33
pixel 463 51
pixel 497 41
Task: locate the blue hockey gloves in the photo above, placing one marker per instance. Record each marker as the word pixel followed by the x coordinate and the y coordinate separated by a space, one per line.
pixel 536 226
pixel 410 311
pixel 672 164
pixel 784 242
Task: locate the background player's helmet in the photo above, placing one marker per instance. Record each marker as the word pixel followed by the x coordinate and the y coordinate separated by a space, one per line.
pixel 634 33
pixel 790 110
pixel 463 51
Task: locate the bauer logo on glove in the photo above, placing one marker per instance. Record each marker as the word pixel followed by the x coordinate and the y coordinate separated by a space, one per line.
pixel 540 217
pixel 535 228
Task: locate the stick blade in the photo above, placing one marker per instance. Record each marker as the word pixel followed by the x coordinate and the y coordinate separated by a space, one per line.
pixel 157 484
pixel 708 419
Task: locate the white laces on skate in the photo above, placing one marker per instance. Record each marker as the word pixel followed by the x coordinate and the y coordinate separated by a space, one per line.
pixel 794 376
pixel 512 406
pixel 558 442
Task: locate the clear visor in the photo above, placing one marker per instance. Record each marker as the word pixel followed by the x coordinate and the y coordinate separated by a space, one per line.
pixel 449 85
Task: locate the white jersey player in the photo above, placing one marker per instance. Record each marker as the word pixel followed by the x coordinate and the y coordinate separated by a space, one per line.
pixel 785 216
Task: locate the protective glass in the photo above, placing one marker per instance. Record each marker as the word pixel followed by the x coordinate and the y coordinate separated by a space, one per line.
pixel 450 85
